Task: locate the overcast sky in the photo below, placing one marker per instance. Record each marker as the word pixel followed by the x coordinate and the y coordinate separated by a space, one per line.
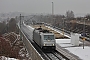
pixel 45 6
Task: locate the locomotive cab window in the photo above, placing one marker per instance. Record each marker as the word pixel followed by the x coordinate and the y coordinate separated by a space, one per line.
pixel 48 37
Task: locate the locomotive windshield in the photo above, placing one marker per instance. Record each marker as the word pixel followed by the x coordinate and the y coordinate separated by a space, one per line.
pixel 48 37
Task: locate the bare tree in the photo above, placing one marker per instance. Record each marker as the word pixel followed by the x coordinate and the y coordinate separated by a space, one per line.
pixel 69 14
pixel 12 25
pixel 88 16
pixel 2 27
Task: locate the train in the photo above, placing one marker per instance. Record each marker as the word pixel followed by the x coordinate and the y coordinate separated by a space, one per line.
pixel 44 39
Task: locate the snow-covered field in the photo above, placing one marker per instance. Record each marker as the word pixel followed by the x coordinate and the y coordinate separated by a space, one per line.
pixel 84 54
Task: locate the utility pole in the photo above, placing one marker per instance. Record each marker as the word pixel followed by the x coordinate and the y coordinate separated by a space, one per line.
pixel 20 27
pixel 84 32
pixel 52 8
pixel 52 13
pixel 7 24
pixel 20 20
pixel 63 28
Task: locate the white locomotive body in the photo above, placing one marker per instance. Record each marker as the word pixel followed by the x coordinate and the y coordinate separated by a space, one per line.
pixel 44 39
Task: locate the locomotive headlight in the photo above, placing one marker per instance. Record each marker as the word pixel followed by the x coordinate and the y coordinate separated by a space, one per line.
pixel 53 44
pixel 44 44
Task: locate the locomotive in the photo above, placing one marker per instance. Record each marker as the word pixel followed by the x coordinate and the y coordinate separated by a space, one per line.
pixel 44 39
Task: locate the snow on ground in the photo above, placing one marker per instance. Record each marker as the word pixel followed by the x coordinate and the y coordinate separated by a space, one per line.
pixel 64 42
pixel 84 54
pixel 7 58
pixel 58 31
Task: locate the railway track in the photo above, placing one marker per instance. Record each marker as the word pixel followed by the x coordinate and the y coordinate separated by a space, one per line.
pixel 68 33
pixel 55 55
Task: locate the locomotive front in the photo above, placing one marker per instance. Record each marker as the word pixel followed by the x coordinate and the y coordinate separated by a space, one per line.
pixel 48 41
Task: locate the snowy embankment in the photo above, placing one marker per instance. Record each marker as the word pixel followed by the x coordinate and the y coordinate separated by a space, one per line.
pixel 31 31
pixel 59 31
pixel 83 54
pixel 7 58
